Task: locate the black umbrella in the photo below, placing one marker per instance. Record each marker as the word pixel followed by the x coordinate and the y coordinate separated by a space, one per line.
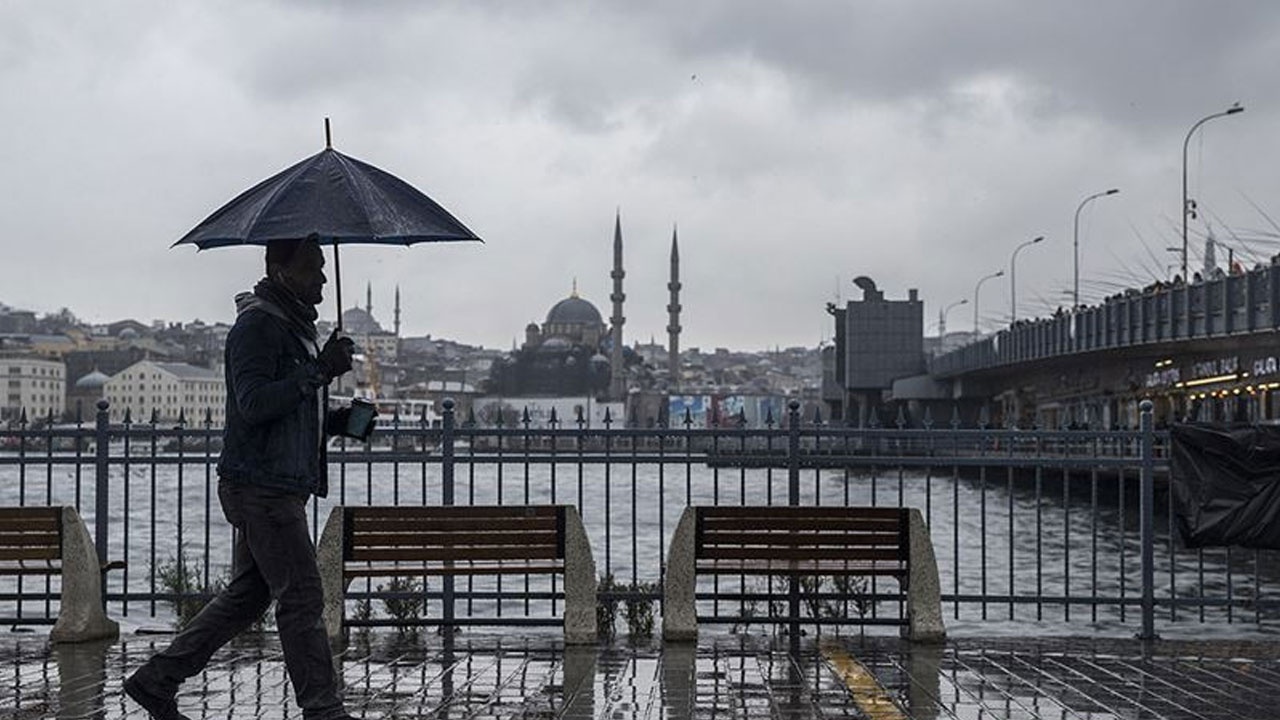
pixel 336 198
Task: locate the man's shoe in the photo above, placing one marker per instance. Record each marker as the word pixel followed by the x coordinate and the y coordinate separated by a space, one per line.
pixel 160 707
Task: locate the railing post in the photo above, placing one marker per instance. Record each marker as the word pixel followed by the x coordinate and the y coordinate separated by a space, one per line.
pixel 101 506
pixel 1147 521
pixel 446 452
pixel 793 452
pixel 446 490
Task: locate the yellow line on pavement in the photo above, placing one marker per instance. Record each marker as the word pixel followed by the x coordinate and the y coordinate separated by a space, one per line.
pixel 870 696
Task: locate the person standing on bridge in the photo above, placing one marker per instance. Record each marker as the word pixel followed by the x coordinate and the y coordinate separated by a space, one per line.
pixel 271 465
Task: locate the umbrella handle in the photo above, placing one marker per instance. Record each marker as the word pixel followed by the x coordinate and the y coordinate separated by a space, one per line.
pixel 337 282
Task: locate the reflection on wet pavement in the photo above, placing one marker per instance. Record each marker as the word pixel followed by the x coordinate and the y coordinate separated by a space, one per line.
pixel 722 676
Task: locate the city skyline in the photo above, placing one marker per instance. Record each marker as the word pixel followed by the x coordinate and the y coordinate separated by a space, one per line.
pixel 795 148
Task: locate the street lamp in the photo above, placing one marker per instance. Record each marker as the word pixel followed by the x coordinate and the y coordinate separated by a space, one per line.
pixel 1188 206
pixel 1075 244
pixel 996 274
pixel 1013 279
pixel 942 319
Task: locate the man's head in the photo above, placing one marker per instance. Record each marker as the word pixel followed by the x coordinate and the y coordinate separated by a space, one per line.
pixel 299 266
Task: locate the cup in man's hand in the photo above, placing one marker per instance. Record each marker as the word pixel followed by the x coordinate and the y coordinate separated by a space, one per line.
pixel 360 419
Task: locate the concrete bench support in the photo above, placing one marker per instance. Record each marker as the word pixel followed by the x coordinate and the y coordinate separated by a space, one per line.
pixel 81 617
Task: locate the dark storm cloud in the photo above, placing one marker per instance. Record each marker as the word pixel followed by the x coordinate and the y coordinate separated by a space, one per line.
pixel 797 144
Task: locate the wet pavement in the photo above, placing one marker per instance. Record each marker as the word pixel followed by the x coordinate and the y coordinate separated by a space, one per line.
pixel 722 676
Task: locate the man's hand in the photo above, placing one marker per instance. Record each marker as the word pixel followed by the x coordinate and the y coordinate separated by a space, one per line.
pixel 335 356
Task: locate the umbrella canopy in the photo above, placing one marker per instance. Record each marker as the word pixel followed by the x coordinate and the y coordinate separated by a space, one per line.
pixel 336 198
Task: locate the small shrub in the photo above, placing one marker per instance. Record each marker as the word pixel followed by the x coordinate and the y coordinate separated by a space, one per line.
pixel 363 611
pixel 639 612
pixel 179 576
pixel 406 610
pixel 606 608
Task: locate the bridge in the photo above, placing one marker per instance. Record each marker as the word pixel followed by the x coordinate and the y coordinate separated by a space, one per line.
pixel 1203 349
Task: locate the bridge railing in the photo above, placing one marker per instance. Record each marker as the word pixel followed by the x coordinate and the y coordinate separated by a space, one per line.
pixel 1225 305
pixel 1028 525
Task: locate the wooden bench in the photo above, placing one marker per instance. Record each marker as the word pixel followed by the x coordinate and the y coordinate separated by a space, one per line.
pixel 802 542
pixel 385 542
pixel 48 541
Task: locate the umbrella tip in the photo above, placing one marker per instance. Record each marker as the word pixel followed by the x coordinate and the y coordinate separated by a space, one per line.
pixel 328 142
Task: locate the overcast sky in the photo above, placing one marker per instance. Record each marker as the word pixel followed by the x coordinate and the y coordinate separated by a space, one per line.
pixel 796 145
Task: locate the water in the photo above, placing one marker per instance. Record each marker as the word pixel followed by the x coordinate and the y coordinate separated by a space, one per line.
pixel 996 537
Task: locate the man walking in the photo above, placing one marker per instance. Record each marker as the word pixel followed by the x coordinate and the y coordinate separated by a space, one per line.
pixel 269 468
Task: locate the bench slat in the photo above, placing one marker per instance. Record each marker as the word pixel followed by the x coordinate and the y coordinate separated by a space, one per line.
pixel 800 567
pixel 11 538
pixel 483 523
pixel 830 511
pixel 797 524
pixel 787 538
pixel 510 567
pixel 458 511
pixel 34 512
pixel 430 538
pixel 30 553
pixel 33 524
pixel 473 552
pixel 818 553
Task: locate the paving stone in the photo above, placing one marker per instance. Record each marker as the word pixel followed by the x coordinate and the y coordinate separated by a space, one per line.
pixel 723 676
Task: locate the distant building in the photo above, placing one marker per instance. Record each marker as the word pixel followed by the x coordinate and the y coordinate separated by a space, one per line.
pixel 564 357
pixel 84 393
pixel 170 390
pixel 370 337
pixel 13 321
pixel 877 341
pixel 36 385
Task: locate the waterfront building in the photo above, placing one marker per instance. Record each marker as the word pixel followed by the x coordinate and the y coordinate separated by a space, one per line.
pixel 32 384
pixel 877 341
pixel 169 390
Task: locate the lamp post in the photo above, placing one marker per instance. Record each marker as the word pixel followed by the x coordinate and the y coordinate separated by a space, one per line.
pixel 1188 206
pixel 1075 244
pixel 1013 278
pixel 942 318
pixel 976 288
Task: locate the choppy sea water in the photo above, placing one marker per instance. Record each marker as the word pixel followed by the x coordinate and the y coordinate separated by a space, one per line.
pixel 995 536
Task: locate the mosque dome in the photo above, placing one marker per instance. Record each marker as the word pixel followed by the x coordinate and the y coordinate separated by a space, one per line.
pixel 573 310
pixel 360 322
pixel 93 380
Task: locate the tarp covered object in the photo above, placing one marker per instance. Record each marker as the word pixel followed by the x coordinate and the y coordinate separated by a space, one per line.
pixel 1226 485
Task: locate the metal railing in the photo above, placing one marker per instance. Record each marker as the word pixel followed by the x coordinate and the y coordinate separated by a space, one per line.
pixel 1028 525
pixel 1231 304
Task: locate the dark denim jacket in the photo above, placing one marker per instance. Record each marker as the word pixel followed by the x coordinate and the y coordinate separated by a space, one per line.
pixel 273 437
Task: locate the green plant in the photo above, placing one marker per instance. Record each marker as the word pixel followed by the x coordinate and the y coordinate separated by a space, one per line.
pixel 854 589
pixel 405 610
pixel 606 607
pixel 179 577
pixel 639 612
pixel 363 611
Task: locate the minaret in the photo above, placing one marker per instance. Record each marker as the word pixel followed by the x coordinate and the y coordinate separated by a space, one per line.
pixel 618 380
pixel 673 315
pixel 368 298
pixel 397 311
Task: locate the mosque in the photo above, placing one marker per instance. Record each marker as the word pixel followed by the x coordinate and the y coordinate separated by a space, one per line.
pixel 574 352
